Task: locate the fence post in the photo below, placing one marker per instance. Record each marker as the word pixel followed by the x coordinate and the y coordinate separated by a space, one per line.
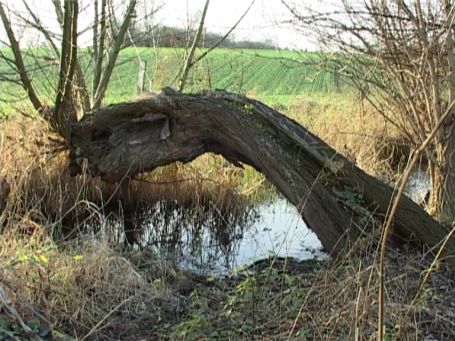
pixel 336 78
pixel 141 77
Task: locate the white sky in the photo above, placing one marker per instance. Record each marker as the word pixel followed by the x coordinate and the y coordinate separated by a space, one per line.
pixel 261 23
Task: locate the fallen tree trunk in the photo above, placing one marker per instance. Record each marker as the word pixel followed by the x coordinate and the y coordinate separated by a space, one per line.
pixel 126 139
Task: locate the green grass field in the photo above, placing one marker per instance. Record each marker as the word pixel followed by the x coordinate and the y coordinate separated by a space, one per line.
pixel 276 77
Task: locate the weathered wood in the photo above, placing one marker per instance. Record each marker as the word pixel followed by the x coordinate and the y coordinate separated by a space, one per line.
pixel 129 138
pixel 4 192
pixel 141 77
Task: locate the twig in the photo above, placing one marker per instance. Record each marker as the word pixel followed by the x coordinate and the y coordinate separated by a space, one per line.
pixel 388 224
pixel 24 301
pixel 105 318
pixel 8 304
pixel 432 267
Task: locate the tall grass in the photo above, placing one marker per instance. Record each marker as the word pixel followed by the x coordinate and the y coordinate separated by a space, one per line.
pixel 92 288
pixel 54 266
pixel 354 129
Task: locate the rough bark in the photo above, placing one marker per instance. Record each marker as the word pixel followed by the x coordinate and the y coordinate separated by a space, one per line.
pixel 125 139
pixel 65 112
pixel 443 198
pixel 4 192
pixel 79 77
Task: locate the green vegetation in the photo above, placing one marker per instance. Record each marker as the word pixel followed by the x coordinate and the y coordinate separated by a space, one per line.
pixel 278 77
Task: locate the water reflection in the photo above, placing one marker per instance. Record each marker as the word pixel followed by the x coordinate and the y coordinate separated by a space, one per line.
pixel 196 237
pixel 418 185
pixel 206 240
pixel 210 240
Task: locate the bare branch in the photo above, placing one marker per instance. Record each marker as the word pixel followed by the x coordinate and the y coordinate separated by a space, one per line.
pixel 40 27
pixel 19 62
pixel 223 38
pixel 99 47
pixel 189 58
pixel 102 87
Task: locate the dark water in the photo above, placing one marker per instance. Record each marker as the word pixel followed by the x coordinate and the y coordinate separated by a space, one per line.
pixel 210 240
pixel 275 229
pixel 207 240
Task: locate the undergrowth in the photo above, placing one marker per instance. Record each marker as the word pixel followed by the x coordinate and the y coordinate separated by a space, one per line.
pixel 88 289
pixel 60 279
pixel 79 279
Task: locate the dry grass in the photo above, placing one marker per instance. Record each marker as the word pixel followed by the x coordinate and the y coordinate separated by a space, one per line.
pixel 336 300
pixel 341 302
pixel 90 288
pixel 86 288
pixel 82 289
pixel 354 130
pixel 81 286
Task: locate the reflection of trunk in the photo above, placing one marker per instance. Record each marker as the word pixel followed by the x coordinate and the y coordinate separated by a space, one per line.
pixel 139 136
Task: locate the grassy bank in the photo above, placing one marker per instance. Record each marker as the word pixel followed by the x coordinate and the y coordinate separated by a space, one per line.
pixel 88 289
pixel 89 286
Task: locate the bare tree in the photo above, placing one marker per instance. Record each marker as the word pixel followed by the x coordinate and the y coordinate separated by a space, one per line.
pixel 99 37
pixel 400 55
pixel 65 103
pixel 70 93
pixel 18 62
pixel 190 59
pixel 112 56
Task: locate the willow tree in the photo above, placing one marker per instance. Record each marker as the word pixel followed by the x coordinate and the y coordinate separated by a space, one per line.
pixel 400 55
pixel 60 100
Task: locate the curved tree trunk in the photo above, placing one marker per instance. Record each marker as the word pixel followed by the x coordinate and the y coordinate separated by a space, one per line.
pixel 129 138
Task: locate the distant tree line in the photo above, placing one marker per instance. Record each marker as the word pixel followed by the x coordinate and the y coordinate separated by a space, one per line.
pixel 167 36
